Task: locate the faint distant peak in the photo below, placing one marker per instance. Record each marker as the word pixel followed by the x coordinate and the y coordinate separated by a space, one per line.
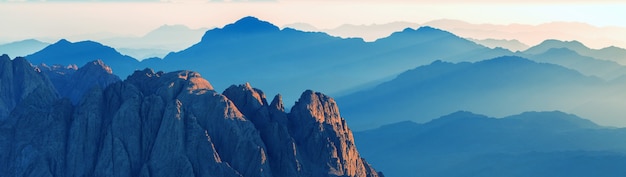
pixel 172 27
pixel 459 116
pixel 251 24
pixel 554 42
pixel 557 119
pixel 302 27
pixel 463 114
pixel 507 59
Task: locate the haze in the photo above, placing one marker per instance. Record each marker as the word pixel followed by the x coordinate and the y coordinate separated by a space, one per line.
pixel 81 20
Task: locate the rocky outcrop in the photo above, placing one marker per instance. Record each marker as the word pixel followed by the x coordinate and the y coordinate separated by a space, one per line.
pixel 72 82
pixel 312 140
pixel 18 81
pixel 323 135
pixel 174 124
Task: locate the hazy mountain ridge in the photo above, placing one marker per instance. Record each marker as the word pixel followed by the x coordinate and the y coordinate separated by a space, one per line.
pixel 80 53
pixel 512 45
pixel 499 86
pixel 167 124
pixel 314 60
pixel 612 53
pixel 158 42
pixel 22 48
pixel 466 144
pixel 590 66
pixel 263 53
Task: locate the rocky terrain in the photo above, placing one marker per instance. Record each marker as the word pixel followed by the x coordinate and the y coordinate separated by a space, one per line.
pixel 166 124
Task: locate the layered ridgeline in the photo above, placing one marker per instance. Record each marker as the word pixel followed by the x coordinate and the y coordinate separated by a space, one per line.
pixel 538 144
pixel 499 87
pixel 270 57
pixel 166 124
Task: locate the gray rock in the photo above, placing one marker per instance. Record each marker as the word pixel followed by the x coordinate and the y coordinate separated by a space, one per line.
pixel 169 124
pixel 73 82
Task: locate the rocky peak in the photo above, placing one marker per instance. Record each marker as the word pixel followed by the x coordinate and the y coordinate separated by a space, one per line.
pixel 320 107
pixel 150 82
pixel 97 65
pixel 248 99
pixel 323 134
pixel 172 124
pixel 277 103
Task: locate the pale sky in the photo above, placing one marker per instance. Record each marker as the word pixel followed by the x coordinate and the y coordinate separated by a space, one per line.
pixel 67 18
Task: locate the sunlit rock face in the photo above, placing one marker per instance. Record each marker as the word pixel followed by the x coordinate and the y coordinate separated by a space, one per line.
pixel 169 124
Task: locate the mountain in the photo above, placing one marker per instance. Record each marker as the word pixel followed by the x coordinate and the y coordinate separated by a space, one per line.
pixel 268 56
pixel 143 54
pixel 513 45
pixel 566 57
pixel 498 86
pixel 73 82
pixel 303 27
pixel 22 48
pixel 615 54
pixel 168 124
pixel 158 42
pixel 369 32
pixel 596 37
pixel 19 82
pixel 64 52
pixel 465 144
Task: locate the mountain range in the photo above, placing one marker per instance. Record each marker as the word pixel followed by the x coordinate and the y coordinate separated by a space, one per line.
pixel 22 48
pixel 66 53
pixel 538 144
pixel 156 43
pixel 255 51
pixel 58 119
pixel 597 37
pixel 164 124
pixel 499 87
pixel 268 56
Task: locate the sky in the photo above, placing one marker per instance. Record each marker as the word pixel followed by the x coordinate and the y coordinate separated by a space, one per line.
pixel 22 19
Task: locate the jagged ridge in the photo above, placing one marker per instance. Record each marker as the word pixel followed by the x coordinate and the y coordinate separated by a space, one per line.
pixel 175 124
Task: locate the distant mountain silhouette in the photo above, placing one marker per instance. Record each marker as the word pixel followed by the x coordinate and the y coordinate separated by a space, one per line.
pixel 566 57
pixel 615 54
pixel 499 86
pixel 158 42
pixel 370 32
pixel 255 51
pixel 65 53
pixel 466 144
pixel 596 37
pixel 22 48
pixel 512 45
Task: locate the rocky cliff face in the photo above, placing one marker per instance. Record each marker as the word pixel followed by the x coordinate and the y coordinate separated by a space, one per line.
pixel 171 124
